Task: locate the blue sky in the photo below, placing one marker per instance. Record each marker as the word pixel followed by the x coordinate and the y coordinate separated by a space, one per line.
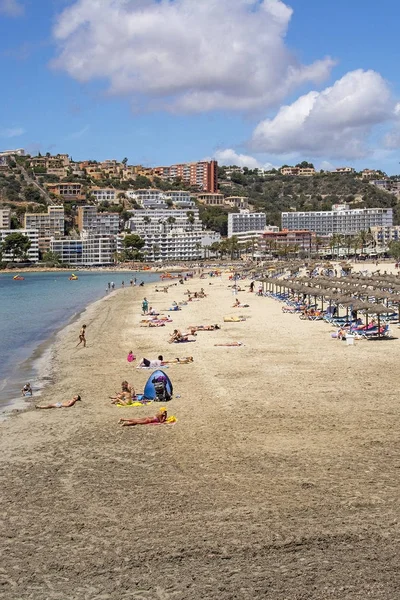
pixel 108 79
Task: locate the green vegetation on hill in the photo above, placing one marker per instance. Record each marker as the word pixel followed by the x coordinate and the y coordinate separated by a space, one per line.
pixel 276 193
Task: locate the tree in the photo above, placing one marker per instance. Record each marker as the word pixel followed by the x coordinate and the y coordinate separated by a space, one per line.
pixel 17 245
pixel 125 161
pixel 51 258
pixel 132 244
pixel 394 248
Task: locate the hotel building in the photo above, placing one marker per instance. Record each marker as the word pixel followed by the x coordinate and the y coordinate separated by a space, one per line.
pixel 245 221
pixel 339 220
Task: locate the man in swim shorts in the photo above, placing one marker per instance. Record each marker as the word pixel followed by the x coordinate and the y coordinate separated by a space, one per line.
pixel 66 404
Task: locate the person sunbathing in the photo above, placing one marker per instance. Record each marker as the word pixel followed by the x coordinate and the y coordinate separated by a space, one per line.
pixel 230 344
pixel 181 361
pixel 155 323
pixel 194 328
pixel 145 363
pixel 125 396
pixel 66 404
pixel 160 417
pixel 239 305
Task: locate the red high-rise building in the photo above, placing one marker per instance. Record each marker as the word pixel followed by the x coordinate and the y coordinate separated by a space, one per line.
pixel 202 174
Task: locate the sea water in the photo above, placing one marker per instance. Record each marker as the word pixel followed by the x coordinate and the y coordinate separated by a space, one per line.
pixel 32 310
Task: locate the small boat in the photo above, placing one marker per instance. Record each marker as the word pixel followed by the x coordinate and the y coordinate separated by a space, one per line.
pixel 73 277
pixel 18 278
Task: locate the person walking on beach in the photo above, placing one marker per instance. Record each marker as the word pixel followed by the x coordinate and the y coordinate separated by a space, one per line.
pixel 66 404
pixel 82 336
pixel 145 306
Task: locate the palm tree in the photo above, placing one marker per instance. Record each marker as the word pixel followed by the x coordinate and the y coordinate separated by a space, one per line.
pixel 156 250
pixel 198 248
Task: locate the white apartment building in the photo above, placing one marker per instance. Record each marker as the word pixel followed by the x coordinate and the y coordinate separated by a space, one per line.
pixel 50 224
pixel 33 252
pixel 148 198
pixel 180 198
pixel 245 221
pixel 105 195
pixel 155 221
pixel 339 220
pixel 101 223
pixel 384 235
pixel 89 250
pixel 178 245
pixel 5 218
pixel 172 235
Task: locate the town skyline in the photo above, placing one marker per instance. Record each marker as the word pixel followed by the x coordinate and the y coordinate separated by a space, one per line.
pixel 314 87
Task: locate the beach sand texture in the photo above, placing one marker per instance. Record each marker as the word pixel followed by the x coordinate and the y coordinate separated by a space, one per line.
pixel 279 481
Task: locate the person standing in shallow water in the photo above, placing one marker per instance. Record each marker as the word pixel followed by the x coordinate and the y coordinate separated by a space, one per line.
pixel 145 306
pixel 82 336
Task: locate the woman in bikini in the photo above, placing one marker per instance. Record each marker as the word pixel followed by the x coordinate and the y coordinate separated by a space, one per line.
pixel 125 396
pixel 160 417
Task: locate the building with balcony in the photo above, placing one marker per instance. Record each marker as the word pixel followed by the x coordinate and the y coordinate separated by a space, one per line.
pixel 245 221
pixel 89 250
pixel 345 170
pixel 300 241
pixel 33 253
pixel 148 198
pixel 50 224
pixel 5 218
pixel 298 171
pixel 100 223
pixel 211 199
pixel 202 174
pixel 179 198
pixel 67 191
pixel 240 202
pixel 339 220
pixel 104 195
pixel 383 236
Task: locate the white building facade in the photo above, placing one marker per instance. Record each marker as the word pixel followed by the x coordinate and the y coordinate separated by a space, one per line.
pixel 340 220
pixel 172 235
pixel 89 250
pixel 245 221
pixel 50 224
pixel 5 218
pixel 33 253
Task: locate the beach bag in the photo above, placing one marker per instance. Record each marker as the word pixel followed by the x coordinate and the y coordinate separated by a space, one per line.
pixel 160 386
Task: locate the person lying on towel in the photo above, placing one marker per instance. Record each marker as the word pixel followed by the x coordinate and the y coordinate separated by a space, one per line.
pixel 160 417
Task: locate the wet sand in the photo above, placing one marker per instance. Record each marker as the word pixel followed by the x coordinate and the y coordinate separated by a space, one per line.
pixel 280 479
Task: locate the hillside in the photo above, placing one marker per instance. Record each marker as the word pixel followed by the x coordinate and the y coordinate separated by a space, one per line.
pixel 277 193
pixel 24 187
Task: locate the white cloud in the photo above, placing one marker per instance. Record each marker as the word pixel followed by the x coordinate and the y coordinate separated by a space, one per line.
pixel 229 157
pixel 12 132
pixel 190 55
pixel 11 8
pixel 336 122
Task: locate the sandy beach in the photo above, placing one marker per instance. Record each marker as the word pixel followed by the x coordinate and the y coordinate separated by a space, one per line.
pixel 279 481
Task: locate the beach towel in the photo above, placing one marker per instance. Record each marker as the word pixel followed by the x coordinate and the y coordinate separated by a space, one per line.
pixel 169 421
pixel 135 403
pixel 236 319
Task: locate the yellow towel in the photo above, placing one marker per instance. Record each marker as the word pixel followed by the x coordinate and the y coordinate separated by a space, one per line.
pixel 171 419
